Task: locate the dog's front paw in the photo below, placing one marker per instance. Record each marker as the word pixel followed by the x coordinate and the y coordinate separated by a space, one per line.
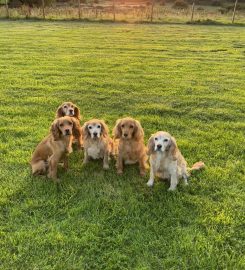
pixel 69 150
pixel 106 167
pixel 172 189
pixel 150 183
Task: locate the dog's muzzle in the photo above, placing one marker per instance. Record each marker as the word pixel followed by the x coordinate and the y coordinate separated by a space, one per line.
pixel 67 132
pixel 158 148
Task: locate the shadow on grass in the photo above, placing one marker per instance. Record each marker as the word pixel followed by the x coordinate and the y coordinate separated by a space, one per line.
pixel 212 22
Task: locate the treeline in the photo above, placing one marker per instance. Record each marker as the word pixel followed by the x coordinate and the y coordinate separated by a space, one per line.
pixel 32 3
pixel 208 2
pixel 213 2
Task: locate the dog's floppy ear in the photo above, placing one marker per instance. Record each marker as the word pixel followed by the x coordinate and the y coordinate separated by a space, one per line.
pixel 55 130
pixel 104 128
pixel 76 129
pixel 172 148
pixel 138 132
pixel 77 112
pixel 150 145
pixel 117 132
pixel 59 112
pixel 84 130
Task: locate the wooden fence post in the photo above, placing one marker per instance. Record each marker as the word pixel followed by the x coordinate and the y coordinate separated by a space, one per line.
pixel 192 10
pixel 43 9
pixel 28 12
pixel 114 11
pixel 234 12
pixel 79 9
pixel 152 9
pixel 7 8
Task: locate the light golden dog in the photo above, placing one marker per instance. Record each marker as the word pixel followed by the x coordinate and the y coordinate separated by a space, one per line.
pixel 70 109
pixel 55 147
pixel 167 161
pixel 96 141
pixel 129 137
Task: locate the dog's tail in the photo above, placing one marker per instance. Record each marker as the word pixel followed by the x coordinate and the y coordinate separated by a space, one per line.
pixel 197 166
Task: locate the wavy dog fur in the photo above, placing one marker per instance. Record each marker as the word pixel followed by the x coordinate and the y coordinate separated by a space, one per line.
pixel 72 110
pixel 55 147
pixel 167 161
pixel 129 144
pixel 68 109
pixel 96 141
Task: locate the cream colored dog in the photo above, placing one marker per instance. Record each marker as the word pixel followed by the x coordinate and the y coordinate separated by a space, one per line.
pixel 96 141
pixel 167 161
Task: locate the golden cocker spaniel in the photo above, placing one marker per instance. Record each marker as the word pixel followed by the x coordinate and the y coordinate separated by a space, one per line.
pixel 96 141
pixel 70 109
pixel 129 138
pixel 55 147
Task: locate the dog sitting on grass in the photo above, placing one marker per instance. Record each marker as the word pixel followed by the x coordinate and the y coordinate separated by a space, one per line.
pixel 129 141
pixel 55 147
pixel 70 109
pixel 167 161
pixel 96 142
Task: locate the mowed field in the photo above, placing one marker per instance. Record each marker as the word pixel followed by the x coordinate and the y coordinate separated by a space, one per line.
pixel 188 80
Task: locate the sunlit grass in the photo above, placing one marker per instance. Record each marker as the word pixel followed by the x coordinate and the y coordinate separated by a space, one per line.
pixel 188 80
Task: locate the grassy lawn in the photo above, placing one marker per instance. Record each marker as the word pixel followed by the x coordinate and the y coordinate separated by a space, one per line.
pixel 188 80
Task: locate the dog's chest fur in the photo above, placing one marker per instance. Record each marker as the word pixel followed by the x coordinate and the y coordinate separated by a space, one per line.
pixel 95 150
pixel 130 152
pixel 161 161
pixel 62 145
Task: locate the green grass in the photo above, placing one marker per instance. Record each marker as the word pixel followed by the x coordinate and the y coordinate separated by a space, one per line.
pixel 188 80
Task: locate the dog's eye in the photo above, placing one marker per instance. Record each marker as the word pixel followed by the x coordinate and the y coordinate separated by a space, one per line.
pixel 70 123
pixel 131 126
pixel 65 107
pixel 98 126
pixel 156 139
pixel 165 140
pixel 123 126
pixel 90 127
pixel 72 106
pixel 61 125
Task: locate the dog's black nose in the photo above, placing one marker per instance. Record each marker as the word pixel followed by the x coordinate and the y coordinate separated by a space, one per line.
pixel 159 146
pixel 95 134
pixel 67 131
pixel 125 135
pixel 71 111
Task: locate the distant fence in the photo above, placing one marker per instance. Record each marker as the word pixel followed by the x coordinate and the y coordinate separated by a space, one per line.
pixel 128 10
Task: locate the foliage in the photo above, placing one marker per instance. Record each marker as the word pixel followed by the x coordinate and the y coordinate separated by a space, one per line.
pixel 30 3
pixel 180 4
pixel 161 2
pixel 216 3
